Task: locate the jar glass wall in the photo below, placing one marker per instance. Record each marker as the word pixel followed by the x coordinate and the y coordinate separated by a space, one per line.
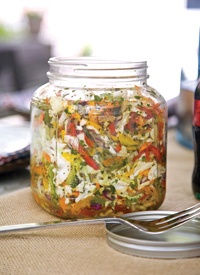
pixel 98 139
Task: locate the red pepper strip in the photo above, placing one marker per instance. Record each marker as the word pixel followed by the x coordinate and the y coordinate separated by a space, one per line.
pixel 160 130
pixel 71 129
pixel 89 142
pixel 111 128
pixel 155 151
pixel 88 159
pixel 156 108
pixel 139 155
pixel 150 149
pixel 148 111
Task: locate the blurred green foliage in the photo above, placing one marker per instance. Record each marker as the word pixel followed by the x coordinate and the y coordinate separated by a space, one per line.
pixel 6 32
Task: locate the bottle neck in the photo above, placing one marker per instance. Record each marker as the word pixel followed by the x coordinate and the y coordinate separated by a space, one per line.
pixel 196 115
pixel 94 73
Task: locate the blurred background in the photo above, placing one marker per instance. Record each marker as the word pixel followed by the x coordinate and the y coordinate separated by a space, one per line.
pixel 165 33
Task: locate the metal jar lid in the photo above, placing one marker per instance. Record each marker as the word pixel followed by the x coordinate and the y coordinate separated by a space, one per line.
pixel 182 242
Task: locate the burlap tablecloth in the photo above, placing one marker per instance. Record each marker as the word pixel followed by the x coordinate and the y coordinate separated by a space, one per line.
pixel 83 249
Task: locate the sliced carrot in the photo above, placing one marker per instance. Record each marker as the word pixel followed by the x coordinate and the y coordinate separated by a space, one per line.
pixel 144 145
pixel 76 116
pixel 46 156
pixel 41 118
pixel 98 186
pixel 75 194
pixel 38 170
pixel 118 147
pixel 144 173
pixel 76 207
pixel 62 203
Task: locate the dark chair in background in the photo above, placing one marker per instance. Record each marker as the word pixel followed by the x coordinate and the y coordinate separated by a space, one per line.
pixel 10 78
pixel 23 66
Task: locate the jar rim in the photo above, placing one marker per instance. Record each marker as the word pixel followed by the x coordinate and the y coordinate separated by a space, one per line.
pixel 93 63
pixel 96 68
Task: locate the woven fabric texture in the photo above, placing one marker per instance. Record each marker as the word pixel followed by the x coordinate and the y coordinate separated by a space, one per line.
pixel 83 249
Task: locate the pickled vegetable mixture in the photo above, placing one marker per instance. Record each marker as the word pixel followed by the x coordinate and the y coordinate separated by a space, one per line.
pixel 98 154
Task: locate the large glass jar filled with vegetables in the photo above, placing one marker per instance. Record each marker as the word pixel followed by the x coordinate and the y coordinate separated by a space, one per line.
pixel 98 139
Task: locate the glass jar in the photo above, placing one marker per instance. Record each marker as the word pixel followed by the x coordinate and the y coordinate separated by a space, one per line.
pixel 98 139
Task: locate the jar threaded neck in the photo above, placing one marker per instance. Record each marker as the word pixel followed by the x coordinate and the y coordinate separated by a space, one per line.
pixel 103 71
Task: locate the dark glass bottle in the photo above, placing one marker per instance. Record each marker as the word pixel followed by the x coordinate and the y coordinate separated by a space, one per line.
pixel 196 138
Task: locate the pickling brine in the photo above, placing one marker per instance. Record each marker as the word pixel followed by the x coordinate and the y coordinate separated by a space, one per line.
pixel 97 150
